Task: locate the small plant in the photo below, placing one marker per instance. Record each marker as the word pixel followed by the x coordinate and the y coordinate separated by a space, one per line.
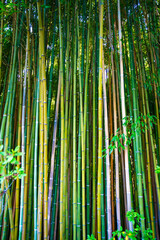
pixel 135 218
pixel 91 237
pixel 119 138
pixel 9 166
pixel 138 127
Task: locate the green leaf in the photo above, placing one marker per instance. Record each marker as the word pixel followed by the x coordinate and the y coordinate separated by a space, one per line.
pixel 9 158
pixel 119 234
pixel 1 169
pixel 18 154
pixel 121 228
pixel 5 162
pixel 111 151
pixel 114 138
pixel 9 152
pixel 110 146
pixel 21 175
pixel 137 229
pixel 14 161
pixel 21 170
pixel 157 170
pixel 1 179
pixel 1 147
pixel 3 154
pixel 124 234
pixel 45 6
pixel 16 149
pixel 123 147
pixel 118 129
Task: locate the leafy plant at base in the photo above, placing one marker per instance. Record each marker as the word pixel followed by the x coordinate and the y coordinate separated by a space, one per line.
pixel 91 237
pixel 135 218
pixel 8 161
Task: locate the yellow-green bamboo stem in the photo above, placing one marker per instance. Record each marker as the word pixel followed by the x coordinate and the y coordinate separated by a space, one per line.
pixel 18 144
pixel 43 116
pixel 106 123
pixel 66 143
pixel 62 203
pixel 41 130
pixel 100 120
pixel 23 148
pixel 28 128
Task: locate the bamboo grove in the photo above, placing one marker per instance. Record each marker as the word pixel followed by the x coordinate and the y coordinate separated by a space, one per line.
pixel 80 95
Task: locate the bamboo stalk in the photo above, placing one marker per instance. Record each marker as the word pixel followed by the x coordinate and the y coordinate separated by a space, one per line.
pixel 62 207
pixel 124 114
pixel 106 122
pixel 100 122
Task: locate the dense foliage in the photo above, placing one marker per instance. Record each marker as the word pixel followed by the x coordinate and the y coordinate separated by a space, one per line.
pixel 80 95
